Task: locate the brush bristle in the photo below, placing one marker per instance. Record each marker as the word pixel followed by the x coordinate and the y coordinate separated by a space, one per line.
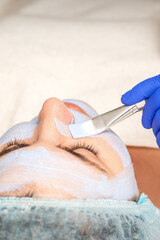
pixel 80 130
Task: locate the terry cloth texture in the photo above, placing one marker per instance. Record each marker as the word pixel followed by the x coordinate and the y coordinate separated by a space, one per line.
pixel 30 218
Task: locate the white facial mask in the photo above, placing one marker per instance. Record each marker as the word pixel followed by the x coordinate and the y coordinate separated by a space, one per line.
pixel 25 130
pixel 57 171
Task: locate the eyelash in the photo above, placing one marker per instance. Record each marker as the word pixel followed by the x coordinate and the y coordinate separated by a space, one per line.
pixel 88 147
pixel 15 142
pixel 19 143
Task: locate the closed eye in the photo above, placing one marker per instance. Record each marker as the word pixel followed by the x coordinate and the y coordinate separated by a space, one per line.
pixel 16 144
pixel 13 145
pixel 84 146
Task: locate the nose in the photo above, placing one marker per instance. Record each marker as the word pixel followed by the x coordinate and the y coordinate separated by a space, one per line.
pixel 47 130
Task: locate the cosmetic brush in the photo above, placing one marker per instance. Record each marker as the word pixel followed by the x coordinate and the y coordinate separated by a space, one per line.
pixel 104 121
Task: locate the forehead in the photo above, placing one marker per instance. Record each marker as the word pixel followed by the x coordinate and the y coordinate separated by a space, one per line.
pixel 46 168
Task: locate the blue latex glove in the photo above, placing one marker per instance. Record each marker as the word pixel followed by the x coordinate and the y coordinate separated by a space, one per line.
pixel 148 90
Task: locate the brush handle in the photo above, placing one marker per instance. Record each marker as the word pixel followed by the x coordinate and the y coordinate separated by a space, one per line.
pixel 141 105
pixel 134 108
pixel 140 109
pixel 122 113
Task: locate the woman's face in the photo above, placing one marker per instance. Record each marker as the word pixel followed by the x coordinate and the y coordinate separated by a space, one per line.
pixel 46 165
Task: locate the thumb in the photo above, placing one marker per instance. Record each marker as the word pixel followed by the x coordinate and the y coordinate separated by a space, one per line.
pixel 141 91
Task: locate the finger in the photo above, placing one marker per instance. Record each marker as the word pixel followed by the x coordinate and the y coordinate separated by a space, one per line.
pixel 156 123
pixel 150 109
pixel 141 91
pixel 158 139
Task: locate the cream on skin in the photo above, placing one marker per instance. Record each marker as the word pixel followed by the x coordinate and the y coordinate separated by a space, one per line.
pixel 55 174
pixel 51 169
pixel 108 135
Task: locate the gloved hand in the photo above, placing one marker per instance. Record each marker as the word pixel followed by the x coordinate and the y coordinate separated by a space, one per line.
pixel 148 90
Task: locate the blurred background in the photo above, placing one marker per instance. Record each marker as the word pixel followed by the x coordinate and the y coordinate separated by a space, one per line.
pixel 92 50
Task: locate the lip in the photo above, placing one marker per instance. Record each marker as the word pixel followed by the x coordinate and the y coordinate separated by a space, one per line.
pixel 76 108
